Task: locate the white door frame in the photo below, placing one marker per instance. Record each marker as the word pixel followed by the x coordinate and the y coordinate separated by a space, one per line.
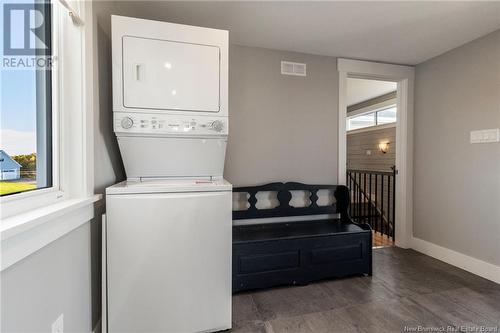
pixel 404 76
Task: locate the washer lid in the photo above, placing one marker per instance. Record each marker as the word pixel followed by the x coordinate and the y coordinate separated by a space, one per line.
pixel 169 186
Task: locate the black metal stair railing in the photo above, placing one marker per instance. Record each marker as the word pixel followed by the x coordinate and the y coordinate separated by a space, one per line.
pixel 373 199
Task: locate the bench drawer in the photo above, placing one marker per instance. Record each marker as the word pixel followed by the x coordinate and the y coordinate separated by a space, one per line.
pixel 336 254
pixel 260 263
pixel 268 263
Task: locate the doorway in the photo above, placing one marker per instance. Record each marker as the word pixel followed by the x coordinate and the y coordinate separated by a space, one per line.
pixel 371 155
pixel 352 115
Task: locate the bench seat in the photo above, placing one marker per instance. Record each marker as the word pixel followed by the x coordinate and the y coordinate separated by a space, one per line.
pixel 285 230
pixel 284 253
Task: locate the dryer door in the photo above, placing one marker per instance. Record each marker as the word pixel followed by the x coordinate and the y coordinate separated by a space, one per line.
pixel 170 75
pixel 157 157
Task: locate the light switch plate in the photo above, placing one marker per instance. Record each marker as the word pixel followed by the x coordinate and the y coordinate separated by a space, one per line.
pixel 485 136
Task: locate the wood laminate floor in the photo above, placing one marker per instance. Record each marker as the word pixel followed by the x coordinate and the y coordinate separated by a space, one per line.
pixel 407 289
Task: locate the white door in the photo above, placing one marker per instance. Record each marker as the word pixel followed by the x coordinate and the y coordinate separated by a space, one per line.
pixel 169 262
pixel 169 75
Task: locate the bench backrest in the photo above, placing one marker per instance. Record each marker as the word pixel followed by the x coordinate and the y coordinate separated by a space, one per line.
pixel 284 196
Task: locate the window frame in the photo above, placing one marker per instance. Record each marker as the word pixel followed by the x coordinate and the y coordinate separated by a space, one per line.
pixel 18 203
pixel 69 141
pixel 32 220
pixel 45 112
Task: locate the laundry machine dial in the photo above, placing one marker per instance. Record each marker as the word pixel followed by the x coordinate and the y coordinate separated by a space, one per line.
pixel 127 122
pixel 218 125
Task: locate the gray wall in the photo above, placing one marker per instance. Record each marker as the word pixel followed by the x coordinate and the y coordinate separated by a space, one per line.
pixel 457 184
pixel 281 128
pixel 108 167
pixel 53 280
pixel 359 143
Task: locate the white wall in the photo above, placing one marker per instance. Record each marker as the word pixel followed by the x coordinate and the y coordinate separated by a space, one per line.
pixel 457 184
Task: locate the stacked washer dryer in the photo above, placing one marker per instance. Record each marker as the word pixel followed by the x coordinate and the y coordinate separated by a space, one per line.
pixel 168 226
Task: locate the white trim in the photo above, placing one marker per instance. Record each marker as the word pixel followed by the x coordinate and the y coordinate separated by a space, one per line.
pixel 104 277
pixel 404 164
pixel 476 266
pixel 404 76
pixel 21 202
pixel 23 222
pixel 342 136
pixel 88 100
pixel 27 233
pixel 374 70
pixel 76 104
pixel 77 20
pixel 371 128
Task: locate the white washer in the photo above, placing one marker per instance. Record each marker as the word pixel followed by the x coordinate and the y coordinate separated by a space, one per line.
pixel 169 256
pixel 168 228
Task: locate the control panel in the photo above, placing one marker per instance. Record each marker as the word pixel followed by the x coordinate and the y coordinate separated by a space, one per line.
pixel 169 124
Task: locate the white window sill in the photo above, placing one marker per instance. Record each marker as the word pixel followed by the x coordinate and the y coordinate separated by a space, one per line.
pixel 24 234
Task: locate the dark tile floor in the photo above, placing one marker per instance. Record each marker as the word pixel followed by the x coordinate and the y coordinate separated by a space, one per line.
pixel 407 289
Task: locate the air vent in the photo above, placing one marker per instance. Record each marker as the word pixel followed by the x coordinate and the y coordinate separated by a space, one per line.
pixel 293 68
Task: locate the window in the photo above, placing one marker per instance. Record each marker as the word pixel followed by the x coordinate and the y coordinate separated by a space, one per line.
pixel 373 118
pixel 26 105
pixel 386 116
pixel 61 196
pixel 361 121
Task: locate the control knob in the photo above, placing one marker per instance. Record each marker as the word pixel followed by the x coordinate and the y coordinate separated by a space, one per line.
pixel 217 125
pixel 127 122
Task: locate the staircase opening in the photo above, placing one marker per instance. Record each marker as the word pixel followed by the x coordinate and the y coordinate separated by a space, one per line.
pixel 371 155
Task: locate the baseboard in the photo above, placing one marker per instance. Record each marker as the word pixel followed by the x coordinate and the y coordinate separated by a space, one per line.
pixel 465 262
pixel 97 327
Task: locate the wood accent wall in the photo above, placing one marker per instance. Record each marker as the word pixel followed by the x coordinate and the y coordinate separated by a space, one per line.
pixel 359 143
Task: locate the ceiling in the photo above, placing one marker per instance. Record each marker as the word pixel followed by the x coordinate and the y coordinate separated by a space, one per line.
pixel 360 90
pixel 393 32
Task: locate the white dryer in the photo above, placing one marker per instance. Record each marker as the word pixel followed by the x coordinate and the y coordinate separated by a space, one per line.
pixel 168 227
pixel 170 98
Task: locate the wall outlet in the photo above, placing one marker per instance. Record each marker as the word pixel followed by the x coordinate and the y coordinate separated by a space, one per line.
pixel 58 324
